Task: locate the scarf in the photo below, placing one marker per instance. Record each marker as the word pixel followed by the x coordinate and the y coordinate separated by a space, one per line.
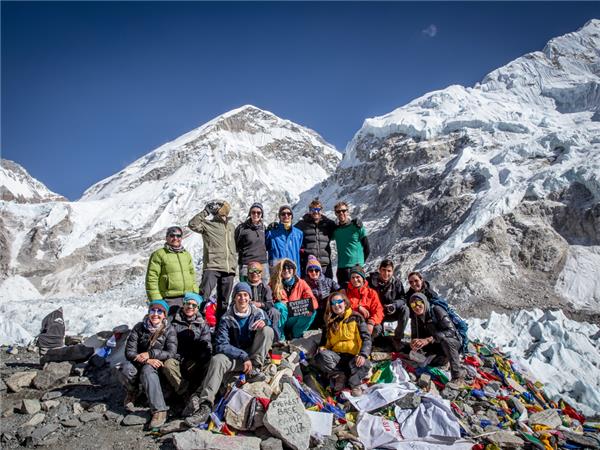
pixel 242 315
pixel 170 248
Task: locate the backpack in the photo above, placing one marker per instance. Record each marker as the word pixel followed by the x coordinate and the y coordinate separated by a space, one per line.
pixel 459 323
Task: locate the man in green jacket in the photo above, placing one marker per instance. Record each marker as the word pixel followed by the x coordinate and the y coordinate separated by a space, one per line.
pixel 219 256
pixel 171 271
pixel 351 242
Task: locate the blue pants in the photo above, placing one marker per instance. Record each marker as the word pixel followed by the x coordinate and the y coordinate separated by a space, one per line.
pixel 292 327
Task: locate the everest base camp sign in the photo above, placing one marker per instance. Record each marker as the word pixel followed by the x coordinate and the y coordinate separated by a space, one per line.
pixel 300 307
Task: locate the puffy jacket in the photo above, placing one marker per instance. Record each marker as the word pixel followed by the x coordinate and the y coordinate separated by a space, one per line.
pixel 227 337
pixel 284 244
pixel 390 293
pixel 250 242
pixel 219 242
pixel 317 238
pixel 440 328
pixel 352 335
pixel 170 274
pixel 138 341
pixel 322 287
pixel 299 291
pixel 193 337
pixel 367 298
pixel 263 294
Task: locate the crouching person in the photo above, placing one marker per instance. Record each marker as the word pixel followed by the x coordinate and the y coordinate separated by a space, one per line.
pixel 194 346
pixel 242 342
pixel 150 345
pixel 345 345
pixel 433 333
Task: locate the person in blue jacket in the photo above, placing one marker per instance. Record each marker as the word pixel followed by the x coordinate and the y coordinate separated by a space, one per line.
pixel 242 343
pixel 283 239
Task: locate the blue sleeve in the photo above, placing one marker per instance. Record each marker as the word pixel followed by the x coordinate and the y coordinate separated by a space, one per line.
pixel 223 344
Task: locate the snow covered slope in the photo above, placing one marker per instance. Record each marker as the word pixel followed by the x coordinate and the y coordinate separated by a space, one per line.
pixel 492 190
pixel 105 238
pixel 17 185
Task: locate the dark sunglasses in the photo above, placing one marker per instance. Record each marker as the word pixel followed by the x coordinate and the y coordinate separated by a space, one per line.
pixel 158 312
pixel 174 235
pixel 313 270
pixel 256 212
pixel 339 211
pixel 315 209
pixel 190 304
pixel 285 214
pixel 254 271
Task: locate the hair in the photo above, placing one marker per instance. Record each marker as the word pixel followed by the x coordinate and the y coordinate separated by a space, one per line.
pixel 386 263
pixel 342 203
pixel 417 274
pixel 277 277
pixel 329 315
pixel 158 333
pixel 316 203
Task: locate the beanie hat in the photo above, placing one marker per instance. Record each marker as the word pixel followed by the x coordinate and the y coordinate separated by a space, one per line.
pixel 174 229
pixel 288 263
pixel 283 208
pixel 193 296
pixel 256 205
pixel 161 304
pixel 359 270
pixel 224 210
pixel 313 263
pixel 242 287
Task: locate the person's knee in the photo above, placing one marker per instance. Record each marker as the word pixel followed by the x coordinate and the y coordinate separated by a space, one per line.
pixel 171 365
pixel 266 332
pixel 219 362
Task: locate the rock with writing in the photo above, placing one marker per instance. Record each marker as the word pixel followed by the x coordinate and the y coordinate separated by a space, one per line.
pixel 287 419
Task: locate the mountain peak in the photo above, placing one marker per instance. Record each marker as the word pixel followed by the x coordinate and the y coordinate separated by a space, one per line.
pixel 17 185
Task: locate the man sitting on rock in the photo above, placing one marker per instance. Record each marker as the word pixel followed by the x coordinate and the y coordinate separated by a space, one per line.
pixel 242 342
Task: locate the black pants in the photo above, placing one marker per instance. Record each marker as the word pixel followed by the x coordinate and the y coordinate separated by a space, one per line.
pixel 447 350
pixel 223 281
pixel 330 362
pixel 343 276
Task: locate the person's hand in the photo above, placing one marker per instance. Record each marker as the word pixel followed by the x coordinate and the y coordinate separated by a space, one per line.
pixel 154 363
pixel 360 360
pixel 417 344
pixel 357 222
pixel 257 304
pixel 142 357
pixel 247 367
pixel 364 312
pixel 258 325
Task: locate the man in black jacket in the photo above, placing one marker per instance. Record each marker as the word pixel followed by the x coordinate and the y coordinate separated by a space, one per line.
pixel 392 297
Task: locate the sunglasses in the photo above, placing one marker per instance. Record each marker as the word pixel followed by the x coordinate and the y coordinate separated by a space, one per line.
pixel 190 304
pixel 340 211
pixel 337 301
pixel 288 268
pixel 315 209
pixel 173 235
pixel 313 270
pixel 156 311
pixel 256 212
pixel 285 214
pixel 254 271
pixel 416 303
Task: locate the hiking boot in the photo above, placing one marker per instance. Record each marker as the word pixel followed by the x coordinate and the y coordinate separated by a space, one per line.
pixel 199 417
pixel 158 419
pixel 192 406
pixel 129 401
pixel 338 382
pixel 357 391
pixel 456 384
pixel 255 375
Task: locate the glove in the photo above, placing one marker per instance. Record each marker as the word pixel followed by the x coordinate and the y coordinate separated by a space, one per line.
pixel 357 222
pixel 213 206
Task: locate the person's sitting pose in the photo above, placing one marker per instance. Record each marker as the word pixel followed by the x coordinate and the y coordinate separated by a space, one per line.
pixel 345 345
pixel 262 296
pixel 150 344
pixel 242 342
pixel 321 287
pixel 364 300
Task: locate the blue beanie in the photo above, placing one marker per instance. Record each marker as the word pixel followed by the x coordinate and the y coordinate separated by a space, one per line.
pixel 159 304
pixel 242 287
pixel 193 296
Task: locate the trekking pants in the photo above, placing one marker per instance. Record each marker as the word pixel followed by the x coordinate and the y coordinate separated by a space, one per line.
pixel 400 315
pixel 128 375
pixel 447 350
pixel 328 362
pixel 292 327
pixel 188 372
pixel 223 281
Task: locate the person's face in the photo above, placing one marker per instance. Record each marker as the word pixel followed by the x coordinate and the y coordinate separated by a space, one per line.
pixel 190 307
pixel 313 273
pixel 342 214
pixel 242 301
pixel 287 272
pixel 385 273
pixel 356 280
pixel 174 239
pixel 338 305
pixel 415 283
pixel 285 216
pixel 255 215
pixel 156 315
pixel 418 307
pixel 254 274
pixel 315 213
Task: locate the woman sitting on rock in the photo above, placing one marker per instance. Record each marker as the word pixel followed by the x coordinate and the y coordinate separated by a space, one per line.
pixel 149 345
pixel 294 300
pixel 345 345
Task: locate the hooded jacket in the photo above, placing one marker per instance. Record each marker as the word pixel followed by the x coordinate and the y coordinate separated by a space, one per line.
pixel 219 251
pixel 317 238
pixel 390 293
pixel 170 274
pixel 282 243
pixel 352 335
pixel 441 327
pixel 193 337
pixel 227 337
pixel 250 242
pixel 367 298
pixel 163 348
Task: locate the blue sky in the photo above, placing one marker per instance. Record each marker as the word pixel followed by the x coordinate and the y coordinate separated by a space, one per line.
pixel 88 87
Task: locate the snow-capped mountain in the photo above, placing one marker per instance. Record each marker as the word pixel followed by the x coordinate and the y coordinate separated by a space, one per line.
pixel 105 238
pixel 17 185
pixel 492 190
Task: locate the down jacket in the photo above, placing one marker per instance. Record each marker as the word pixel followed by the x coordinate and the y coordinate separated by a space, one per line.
pixel 390 293
pixel 317 238
pixel 193 337
pixel 170 274
pixel 367 298
pixel 138 341
pixel 352 335
pixel 440 327
pixel 227 337
pixel 250 243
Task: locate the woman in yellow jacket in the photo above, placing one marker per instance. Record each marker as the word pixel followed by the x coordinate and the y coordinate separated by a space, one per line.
pixel 345 345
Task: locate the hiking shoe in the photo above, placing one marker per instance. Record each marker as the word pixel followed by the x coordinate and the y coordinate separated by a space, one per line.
pixel 199 417
pixel 255 375
pixel 338 382
pixel 158 419
pixel 456 384
pixel 192 406
pixel 357 391
pixel 129 401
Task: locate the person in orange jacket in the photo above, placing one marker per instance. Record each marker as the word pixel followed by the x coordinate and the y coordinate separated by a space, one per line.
pixel 363 299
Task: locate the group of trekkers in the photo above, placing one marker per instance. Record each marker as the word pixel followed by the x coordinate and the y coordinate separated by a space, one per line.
pixel 286 287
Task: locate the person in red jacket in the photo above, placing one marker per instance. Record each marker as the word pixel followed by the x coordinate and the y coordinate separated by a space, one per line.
pixel 293 299
pixel 363 299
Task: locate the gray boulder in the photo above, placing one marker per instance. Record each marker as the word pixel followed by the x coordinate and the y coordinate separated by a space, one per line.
pixel 287 419
pixel 196 439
